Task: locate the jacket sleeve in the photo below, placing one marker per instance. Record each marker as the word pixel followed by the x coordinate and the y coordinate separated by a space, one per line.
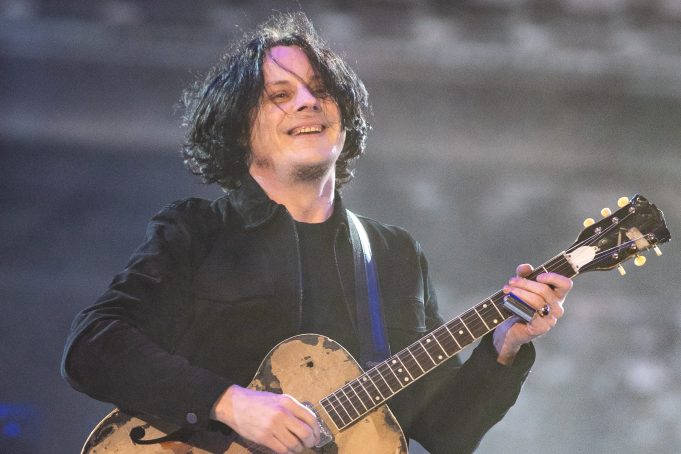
pixel 461 403
pixel 120 349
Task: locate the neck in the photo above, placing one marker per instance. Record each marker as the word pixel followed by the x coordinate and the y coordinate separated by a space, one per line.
pixel 308 201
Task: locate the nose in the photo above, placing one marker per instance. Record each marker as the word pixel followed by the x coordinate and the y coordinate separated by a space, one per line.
pixel 306 100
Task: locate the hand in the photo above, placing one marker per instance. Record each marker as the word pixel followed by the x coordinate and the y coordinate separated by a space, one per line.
pixel 549 288
pixel 276 421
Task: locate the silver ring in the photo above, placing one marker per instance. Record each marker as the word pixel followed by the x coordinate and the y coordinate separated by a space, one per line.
pixel 544 311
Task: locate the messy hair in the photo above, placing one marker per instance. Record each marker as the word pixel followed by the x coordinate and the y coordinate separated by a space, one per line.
pixel 218 110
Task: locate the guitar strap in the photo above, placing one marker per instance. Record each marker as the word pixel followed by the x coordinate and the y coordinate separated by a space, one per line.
pixel 373 339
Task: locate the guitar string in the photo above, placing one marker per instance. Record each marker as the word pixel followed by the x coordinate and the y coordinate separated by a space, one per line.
pixel 472 322
pixel 597 235
pixel 421 355
pixel 469 319
pixel 416 354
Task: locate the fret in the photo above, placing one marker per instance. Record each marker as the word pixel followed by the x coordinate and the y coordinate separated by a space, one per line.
pixel 354 391
pixel 410 364
pixel 466 326
pixel 382 386
pixel 498 305
pixel 402 371
pixel 333 414
pixel 461 334
pixel 470 321
pixel 344 416
pixel 347 404
pixel 416 361
pixel 446 341
pixel 351 403
pixel 483 320
pixel 393 362
pixel 495 307
pixel 425 361
pixel 368 401
pixel 490 314
pixel 434 349
pixel 376 395
pixel 390 377
pixel 453 336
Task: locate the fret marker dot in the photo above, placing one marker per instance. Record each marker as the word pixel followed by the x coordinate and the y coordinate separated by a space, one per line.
pixel 406 378
pixel 427 340
pixel 484 306
pixel 460 331
pixel 495 321
pixel 377 398
pixel 394 361
pixel 439 356
pixel 399 370
pixel 364 379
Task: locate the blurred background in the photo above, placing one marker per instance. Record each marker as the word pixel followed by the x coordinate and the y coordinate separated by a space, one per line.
pixel 499 125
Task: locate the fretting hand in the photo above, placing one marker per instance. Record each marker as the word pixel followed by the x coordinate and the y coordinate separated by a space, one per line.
pixel 550 289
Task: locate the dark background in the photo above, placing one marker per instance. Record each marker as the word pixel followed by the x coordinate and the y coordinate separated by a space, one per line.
pixel 499 125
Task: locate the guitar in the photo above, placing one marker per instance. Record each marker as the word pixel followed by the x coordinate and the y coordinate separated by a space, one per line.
pixel 350 404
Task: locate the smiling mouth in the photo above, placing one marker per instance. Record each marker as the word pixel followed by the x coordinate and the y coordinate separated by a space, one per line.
pixel 315 129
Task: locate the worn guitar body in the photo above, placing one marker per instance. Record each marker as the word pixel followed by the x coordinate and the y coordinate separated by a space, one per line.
pixel 307 367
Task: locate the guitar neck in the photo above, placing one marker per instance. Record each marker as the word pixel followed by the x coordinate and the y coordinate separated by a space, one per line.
pixel 360 396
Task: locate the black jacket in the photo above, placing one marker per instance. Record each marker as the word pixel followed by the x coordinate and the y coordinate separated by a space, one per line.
pixel 216 285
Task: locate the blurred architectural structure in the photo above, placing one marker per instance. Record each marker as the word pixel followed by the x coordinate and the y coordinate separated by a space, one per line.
pixel 498 126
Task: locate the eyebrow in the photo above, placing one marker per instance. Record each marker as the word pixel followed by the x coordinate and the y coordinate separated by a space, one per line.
pixel 313 79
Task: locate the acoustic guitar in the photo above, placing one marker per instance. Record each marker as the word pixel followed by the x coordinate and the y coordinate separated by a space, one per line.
pixel 350 403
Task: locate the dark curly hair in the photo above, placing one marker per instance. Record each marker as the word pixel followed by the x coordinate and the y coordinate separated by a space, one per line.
pixel 219 110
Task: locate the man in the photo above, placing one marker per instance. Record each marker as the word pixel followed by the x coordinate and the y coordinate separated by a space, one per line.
pixel 182 330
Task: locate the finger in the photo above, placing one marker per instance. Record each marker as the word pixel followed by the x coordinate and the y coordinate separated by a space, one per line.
pixel 275 445
pixel 539 301
pixel 532 299
pixel 308 421
pixel 302 432
pixel 561 284
pixel 535 287
pixel 290 442
pixel 524 269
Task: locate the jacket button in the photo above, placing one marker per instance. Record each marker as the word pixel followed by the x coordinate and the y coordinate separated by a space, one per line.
pixel 191 418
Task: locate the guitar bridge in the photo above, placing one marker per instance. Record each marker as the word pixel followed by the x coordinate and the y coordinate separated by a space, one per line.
pixel 325 436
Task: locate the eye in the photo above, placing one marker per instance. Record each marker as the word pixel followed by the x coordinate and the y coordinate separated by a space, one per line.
pixel 279 96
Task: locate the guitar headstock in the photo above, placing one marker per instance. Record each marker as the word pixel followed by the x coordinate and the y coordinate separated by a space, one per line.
pixel 634 228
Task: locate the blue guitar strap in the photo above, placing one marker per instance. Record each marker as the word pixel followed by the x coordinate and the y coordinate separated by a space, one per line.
pixel 373 339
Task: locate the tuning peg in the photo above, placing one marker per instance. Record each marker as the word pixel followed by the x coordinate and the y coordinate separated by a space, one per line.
pixel 605 212
pixel 657 250
pixel 640 260
pixel 588 222
pixel 622 202
pixel 621 269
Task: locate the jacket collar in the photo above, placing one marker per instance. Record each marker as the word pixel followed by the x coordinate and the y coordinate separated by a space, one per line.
pixel 252 203
pixel 256 208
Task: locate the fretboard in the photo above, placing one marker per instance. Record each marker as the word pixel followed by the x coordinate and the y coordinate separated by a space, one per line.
pixel 357 398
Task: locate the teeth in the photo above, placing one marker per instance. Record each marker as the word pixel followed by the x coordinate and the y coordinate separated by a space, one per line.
pixel 306 130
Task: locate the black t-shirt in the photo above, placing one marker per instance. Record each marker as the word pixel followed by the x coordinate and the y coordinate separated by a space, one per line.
pixel 325 310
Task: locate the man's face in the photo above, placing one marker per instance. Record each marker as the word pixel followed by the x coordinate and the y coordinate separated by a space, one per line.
pixel 297 129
